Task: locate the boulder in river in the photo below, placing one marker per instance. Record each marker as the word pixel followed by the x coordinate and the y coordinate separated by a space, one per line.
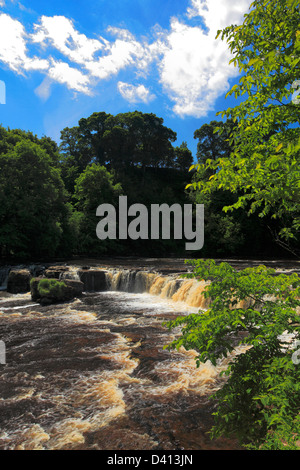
pixel 94 280
pixel 55 272
pixel 18 281
pixel 49 291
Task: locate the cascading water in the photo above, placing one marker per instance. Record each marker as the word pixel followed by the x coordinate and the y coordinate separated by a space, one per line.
pixel 188 291
pixel 93 373
pixel 4 272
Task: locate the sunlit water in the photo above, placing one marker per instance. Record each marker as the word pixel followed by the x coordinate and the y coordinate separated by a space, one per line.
pixel 94 374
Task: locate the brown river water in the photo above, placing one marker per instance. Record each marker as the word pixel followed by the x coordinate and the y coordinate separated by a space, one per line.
pixel 93 374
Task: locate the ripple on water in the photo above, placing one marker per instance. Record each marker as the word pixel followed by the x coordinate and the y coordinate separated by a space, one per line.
pixel 93 374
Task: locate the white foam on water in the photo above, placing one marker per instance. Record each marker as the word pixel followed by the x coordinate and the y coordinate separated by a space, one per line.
pixel 150 304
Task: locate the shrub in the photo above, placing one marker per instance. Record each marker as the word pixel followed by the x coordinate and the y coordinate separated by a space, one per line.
pixel 51 288
pixel 255 308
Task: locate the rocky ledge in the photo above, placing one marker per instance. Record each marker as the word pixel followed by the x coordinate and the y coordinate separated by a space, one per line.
pixel 48 291
pixel 18 281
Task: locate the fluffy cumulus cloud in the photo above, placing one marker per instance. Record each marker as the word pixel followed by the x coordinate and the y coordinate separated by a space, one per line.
pixel 61 72
pixel 135 93
pixel 218 14
pixel 191 65
pixel 59 32
pixel 100 58
pixel 195 67
pixel 13 49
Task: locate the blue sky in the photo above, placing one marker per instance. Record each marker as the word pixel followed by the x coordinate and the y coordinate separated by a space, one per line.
pixel 64 60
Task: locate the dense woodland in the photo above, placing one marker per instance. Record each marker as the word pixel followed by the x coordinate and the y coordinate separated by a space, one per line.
pixel 49 193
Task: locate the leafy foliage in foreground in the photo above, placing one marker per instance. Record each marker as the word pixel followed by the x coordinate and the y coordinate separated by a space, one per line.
pixel 256 310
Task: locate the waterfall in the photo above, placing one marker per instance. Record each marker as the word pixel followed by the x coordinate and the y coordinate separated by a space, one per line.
pixel 190 291
pixel 121 280
pixel 34 269
pixel 4 272
pixel 72 273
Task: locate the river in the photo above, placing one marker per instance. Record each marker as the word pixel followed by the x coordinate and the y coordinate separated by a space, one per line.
pixel 93 374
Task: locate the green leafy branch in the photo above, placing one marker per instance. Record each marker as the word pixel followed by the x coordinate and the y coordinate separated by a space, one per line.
pixel 255 308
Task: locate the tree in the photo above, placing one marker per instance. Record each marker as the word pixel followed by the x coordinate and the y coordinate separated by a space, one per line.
pixel 127 139
pixel 32 201
pixel 264 165
pixel 10 137
pixel 255 307
pixel 81 145
pixel 183 157
pixel 93 187
pixel 227 234
pixel 213 140
pixel 83 142
pixel 91 133
pixel 138 139
pixel 259 402
pixel 213 145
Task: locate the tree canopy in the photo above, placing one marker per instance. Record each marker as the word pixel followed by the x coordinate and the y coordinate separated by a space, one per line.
pixel 93 187
pixel 183 157
pixel 213 140
pixel 49 193
pixel 255 308
pixel 132 139
pixel 264 164
pixel 32 199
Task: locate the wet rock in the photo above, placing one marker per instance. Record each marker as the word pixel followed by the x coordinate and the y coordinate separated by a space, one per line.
pixel 18 281
pixel 48 291
pixel 37 270
pixel 55 272
pixel 94 280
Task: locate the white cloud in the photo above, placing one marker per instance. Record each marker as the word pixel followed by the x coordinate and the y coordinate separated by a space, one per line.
pixel 61 72
pixel 44 89
pixel 59 32
pixel 101 58
pixel 218 14
pixel 13 50
pixel 195 68
pixel 122 54
pixel 191 65
pixel 135 94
